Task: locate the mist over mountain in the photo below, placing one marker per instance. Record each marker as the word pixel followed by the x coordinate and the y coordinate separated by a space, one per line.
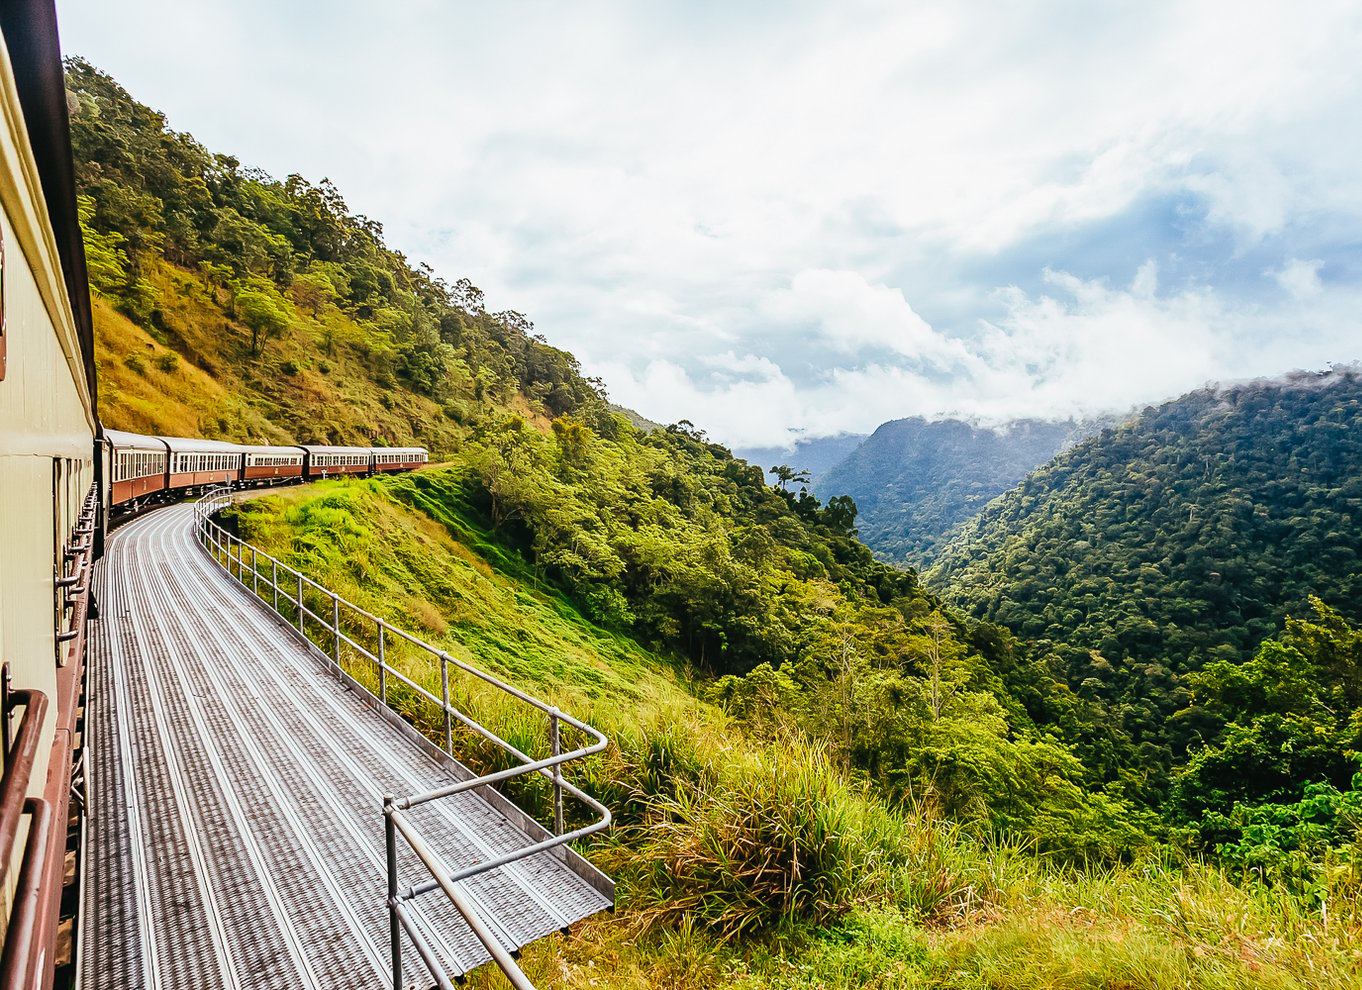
pixel 813 457
pixel 915 480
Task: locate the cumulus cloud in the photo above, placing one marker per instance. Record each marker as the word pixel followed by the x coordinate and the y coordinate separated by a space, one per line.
pixel 1300 278
pixel 1078 347
pixel 850 314
pixel 800 219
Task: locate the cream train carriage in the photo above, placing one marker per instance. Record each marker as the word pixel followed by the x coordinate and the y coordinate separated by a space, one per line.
pixel 49 525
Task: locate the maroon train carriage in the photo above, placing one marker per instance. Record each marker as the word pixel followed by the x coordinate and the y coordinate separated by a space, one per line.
pixel 198 463
pixel 325 462
pixel 272 465
pixel 137 465
pixel 399 458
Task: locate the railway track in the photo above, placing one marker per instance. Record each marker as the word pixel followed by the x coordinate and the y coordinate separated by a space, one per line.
pixel 236 835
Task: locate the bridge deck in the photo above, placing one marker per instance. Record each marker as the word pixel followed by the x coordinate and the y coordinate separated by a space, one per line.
pixel 236 833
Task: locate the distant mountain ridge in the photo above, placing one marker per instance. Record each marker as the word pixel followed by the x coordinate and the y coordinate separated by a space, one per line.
pixel 915 480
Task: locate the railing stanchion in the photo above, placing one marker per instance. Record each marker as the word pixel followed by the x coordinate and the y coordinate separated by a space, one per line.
pixel 274 582
pixel 301 630
pixel 557 750
pixel 382 664
pixel 255 573
pixel 335 630
pixel 444 691
pixel 394 927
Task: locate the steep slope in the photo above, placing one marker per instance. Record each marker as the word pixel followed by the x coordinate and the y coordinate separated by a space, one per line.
pixel 914 481
pixel 1187 535
pixel 229 304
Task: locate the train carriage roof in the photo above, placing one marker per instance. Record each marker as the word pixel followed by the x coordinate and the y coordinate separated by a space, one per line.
pixel 314 449
pixel 122 439
pixel 264 450
pixel 186 445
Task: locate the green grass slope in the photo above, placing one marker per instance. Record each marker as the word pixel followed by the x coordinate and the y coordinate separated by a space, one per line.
pixel 752 861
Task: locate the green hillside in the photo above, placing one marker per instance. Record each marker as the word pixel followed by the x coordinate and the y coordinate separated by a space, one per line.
pixel 914 481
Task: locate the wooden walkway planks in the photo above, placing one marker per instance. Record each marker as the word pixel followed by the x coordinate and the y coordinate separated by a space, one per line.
pixel 236 834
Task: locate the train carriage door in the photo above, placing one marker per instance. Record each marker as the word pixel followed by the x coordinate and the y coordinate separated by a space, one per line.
pixel 66 500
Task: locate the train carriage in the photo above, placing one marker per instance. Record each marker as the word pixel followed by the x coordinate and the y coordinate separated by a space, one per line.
pixel 137 466
pixel 399 458
pixel 271 465
pixel 325 462
pixel 199 463
pixel 59 475
pixel 50 527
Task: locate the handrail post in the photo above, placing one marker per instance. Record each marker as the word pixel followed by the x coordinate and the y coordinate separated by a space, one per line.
pixel 394 927
pixel 301 630
pixel 444 689
pixel 556 748
pixel 274 582
pixel 335 630
pixel 255 573
pixel 382 665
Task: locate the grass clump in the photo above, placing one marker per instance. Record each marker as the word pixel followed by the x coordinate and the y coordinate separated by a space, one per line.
pixel 775 840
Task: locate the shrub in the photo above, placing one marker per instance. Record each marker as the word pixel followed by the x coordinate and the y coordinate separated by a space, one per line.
pixel 167 361
pixel 289 368
pixel 771 838
pixel 133 362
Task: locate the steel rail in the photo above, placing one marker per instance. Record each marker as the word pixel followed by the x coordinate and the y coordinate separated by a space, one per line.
pixel 219 545
pixel 23 955
pixel 20 758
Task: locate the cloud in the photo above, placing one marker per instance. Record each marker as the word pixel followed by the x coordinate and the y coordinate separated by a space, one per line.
pixel 1079 347
pixel 850 314
pixel 1300 278
pixel 773 219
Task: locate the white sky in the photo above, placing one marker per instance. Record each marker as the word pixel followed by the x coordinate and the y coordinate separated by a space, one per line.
pixel 783 219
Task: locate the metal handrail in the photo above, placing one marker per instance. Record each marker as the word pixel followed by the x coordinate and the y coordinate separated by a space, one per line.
pixel 20 755
pixel 23 955
pixel 220 545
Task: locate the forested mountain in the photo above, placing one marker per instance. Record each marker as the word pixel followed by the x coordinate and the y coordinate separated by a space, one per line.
pixel 234 305
pixel 231 304
pixel 1185 536
pixel 914 481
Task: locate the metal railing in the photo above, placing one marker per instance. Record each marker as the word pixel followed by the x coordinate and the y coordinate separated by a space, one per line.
pixel 284 591
pixel 30 940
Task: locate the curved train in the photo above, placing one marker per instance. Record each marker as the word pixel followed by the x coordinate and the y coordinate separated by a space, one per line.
pixel 62 480
pixel 144 470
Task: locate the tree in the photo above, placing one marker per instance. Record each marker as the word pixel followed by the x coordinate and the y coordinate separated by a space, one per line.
pixel 787 475
pixel 261 314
